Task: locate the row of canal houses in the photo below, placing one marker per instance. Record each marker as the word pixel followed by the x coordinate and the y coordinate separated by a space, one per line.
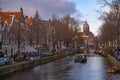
pixel 18 31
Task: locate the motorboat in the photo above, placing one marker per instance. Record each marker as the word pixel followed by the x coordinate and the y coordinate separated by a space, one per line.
pixel 113 69
pixel 81 58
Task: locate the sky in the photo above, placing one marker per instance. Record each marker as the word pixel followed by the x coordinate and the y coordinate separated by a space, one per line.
pixel 81 10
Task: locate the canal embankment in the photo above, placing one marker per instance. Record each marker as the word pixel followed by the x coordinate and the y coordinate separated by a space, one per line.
pixel 113 61
pixel 29 64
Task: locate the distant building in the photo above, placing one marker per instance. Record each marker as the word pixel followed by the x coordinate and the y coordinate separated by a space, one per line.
pixel 87 35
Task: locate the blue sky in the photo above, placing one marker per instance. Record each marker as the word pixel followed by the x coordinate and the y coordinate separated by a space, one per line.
pixel 46 8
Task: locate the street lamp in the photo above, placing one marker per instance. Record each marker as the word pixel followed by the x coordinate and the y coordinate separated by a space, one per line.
pixel 0 30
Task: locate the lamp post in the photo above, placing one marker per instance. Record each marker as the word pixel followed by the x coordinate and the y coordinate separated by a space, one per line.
pixel 19 28
pixel 0 30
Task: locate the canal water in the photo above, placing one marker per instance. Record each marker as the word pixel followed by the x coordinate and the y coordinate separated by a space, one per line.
pixel 65 69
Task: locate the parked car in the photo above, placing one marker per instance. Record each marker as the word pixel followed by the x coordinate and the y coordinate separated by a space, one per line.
pixel 3 61
pixel 104 54
pixel 67 50
pixel 43 51
pixel 47 54
pixel 56 52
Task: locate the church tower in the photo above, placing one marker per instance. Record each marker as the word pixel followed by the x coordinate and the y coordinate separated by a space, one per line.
pixel 86 27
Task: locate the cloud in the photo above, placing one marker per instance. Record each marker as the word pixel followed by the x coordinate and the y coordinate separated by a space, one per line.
pixel 46 8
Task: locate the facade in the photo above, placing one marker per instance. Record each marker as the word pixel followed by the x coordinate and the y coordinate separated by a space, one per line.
pixel 15 28
pixel 19 30
pixel 87 35
pixel 10 25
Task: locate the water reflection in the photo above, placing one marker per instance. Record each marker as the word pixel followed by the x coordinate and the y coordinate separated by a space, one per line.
pixel 65 69
pixel 93 70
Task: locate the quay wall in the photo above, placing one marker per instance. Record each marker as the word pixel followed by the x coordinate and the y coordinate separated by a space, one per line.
pixel 113 61
pixel 29 64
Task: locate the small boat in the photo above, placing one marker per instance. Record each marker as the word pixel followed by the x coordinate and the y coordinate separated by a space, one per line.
pixel 81 58
pixel 113 69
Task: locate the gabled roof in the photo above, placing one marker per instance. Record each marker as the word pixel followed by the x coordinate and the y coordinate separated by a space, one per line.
pixel 30 20
pixel 8 16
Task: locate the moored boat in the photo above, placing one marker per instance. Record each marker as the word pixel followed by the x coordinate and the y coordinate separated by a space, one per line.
pixel 113 69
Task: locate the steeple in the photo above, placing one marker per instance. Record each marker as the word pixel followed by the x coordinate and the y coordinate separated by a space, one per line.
pixel 86 27
pixel 37 15
pixel 21 10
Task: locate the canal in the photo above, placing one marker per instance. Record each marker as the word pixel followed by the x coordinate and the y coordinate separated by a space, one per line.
pixel 65 69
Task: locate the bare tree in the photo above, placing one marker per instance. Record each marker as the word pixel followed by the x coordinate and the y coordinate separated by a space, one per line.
pixel 110 30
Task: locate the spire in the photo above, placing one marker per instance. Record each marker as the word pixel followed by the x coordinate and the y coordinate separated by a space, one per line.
pixel 37 15
pixel 86 26
pixel 86 21
pixel 21 10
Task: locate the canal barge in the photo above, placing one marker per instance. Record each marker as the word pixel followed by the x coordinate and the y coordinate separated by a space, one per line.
pixel 80 58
